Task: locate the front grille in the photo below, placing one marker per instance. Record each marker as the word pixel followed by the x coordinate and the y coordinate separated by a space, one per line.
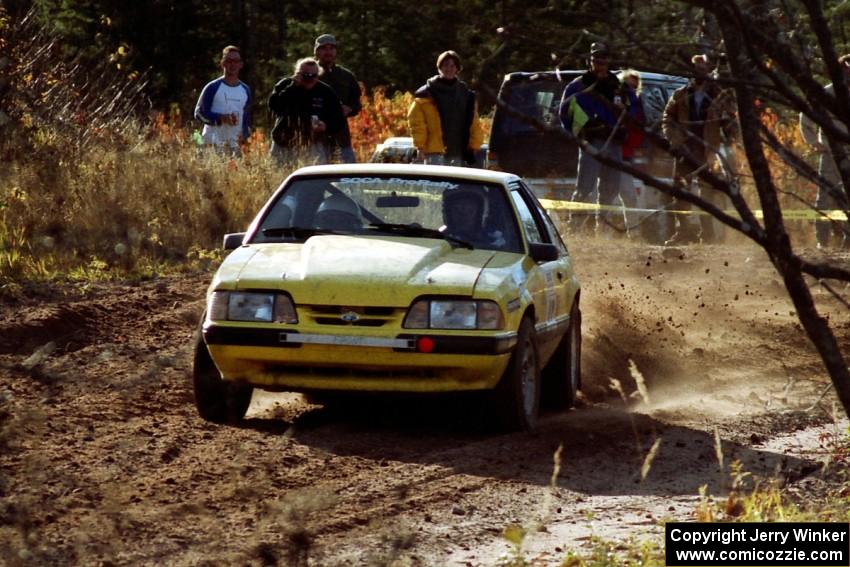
pixel 360 323
pixel 351 316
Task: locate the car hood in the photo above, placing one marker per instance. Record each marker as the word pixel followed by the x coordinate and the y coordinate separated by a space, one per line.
pixel 356 270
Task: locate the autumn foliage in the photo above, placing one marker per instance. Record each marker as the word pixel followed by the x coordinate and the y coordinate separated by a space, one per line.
pixel 382 117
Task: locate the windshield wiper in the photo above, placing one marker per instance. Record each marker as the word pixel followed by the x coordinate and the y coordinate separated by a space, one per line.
pixel 415 230
pixel 296 231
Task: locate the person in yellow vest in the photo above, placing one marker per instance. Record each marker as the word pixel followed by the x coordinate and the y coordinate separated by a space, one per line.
pixel 443 118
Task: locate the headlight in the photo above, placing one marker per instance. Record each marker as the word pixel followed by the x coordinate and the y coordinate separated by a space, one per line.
pixel 454 314
pixel 251 306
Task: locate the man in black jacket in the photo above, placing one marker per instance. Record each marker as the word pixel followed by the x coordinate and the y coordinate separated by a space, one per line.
pixel 307 113
pixel 345 85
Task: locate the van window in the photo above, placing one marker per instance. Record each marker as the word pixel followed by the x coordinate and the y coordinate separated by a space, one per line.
pixel 544 104
pixel 653 105
pixel 521 148
pixel 537 100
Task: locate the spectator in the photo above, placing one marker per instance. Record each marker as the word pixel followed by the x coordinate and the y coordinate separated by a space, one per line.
pixel 826 230
pixel 307 113
pixel 224 106
pixel 698 120
pixel 597 107
pixel 344 84
pixel 443 118
pixel 633 140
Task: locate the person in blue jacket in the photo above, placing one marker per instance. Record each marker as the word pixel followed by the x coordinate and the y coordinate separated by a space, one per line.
pixel 597 108
pixel 224 106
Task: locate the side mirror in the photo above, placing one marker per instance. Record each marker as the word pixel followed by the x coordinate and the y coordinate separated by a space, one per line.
pixel 541 252
pixel 233 241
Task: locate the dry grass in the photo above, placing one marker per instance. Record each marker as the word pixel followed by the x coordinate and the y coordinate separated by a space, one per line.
pixel 125 211
pixel 92 188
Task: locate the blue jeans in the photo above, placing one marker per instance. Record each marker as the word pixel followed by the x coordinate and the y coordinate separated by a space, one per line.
pixel 441 159
pixel 346 155
pixel 597 183
pixel 827 232
pixel 434 159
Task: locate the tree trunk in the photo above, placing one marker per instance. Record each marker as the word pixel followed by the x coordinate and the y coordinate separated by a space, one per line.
pixel 777 244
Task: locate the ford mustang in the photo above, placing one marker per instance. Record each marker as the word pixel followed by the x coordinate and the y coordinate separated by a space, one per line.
pixel 394 278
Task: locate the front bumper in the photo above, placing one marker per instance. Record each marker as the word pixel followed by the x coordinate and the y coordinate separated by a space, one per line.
pixel 286 359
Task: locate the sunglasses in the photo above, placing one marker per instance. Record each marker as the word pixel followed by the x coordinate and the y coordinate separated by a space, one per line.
pixel 309 76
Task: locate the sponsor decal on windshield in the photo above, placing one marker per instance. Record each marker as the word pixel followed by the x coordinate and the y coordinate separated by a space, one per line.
pixel 398 181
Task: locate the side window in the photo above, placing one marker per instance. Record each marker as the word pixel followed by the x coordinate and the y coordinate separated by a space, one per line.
pixel 545 107
pixel 654 102
pixel 554 235
pixel 549 228
pixel 539 99
pixel 526 218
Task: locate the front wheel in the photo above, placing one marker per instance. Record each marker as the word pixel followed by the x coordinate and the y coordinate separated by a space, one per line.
pixel 217 400
pixel 562 375
pixel 517 396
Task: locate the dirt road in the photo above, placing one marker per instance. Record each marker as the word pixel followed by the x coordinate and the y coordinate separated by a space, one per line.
pixel 103 457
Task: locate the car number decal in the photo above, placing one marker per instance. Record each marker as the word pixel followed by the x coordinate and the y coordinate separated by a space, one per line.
pixel 551 297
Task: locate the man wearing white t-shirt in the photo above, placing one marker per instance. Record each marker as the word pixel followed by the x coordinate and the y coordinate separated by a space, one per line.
pixel 225 105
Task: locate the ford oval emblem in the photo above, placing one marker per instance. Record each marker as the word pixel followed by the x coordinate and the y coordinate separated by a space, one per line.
pixel 349 317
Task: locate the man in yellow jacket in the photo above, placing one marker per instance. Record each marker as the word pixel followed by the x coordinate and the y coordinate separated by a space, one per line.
pixel 443 118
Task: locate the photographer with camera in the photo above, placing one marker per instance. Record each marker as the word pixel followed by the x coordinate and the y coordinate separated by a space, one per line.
pixel 307 114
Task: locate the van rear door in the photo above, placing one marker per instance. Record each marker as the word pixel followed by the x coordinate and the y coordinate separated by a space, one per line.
pixel 521 148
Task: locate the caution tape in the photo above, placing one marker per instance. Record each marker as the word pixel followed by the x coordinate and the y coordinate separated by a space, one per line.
pixel 795 214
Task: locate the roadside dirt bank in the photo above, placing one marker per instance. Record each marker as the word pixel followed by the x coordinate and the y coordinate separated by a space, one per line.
pixel 103 459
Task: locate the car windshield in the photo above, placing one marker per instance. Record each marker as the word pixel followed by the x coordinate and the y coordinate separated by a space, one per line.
pixel 464 213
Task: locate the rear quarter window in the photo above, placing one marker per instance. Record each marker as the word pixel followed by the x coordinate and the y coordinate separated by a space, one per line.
pixel 526 218
pixel 654 101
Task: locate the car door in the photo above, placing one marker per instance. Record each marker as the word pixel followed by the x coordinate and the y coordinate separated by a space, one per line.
pixel 545 279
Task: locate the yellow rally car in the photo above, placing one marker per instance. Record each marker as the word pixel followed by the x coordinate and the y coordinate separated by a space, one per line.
pixel 394 278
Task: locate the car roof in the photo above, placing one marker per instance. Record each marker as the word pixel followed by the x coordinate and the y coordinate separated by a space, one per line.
pixel 564 75
pixel 467 173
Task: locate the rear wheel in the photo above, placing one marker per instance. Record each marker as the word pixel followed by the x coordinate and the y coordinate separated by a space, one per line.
pixel 562 375
pixel 517 396
pixel 217 400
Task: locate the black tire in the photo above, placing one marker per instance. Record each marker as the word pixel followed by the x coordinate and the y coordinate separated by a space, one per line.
pixel 516 398
pixel 562 375
pixel 217 400
pixel 334 401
